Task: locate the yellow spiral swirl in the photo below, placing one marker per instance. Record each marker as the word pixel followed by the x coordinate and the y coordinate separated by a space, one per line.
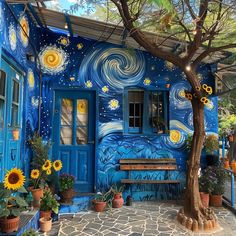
pixel 24 32
pixel 52 59
pixel 175 136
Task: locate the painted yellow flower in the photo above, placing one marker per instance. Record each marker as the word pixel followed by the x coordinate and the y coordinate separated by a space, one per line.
pixel 72 78
pixel 147 81
pixel 189 96
pixel 14 179
pixel 64 41
pixel 206 101
pixel 88 84
pixel 47 165
pixel 175 136
pixel 113 104
pixel 80 46
pixel 48 171
pixel 198 88
pixel 204 86
pixel 209 90
pixel 57 165
pixel 34 174
pixel 82 107
pixel 105 89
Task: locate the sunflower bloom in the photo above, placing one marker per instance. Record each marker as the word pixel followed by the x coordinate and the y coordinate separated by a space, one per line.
pixel 14 179
pixel 48 171
pixel 57 165
pixel 34 174
pixel 204 86
pixel 206 101
pixel 209 90
pixel 203 99
pixel 198 88
pixel 47 165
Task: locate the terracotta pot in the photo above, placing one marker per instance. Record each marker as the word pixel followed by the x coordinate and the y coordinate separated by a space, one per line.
pixel 45 224
pixel 36 193
pixel 99 206
pixel 216 200
pixel 204 199
pixel 45 214
pixel 226 164
pixel 118 201
pixel 9 225
pixel 15 134
pixel 67 195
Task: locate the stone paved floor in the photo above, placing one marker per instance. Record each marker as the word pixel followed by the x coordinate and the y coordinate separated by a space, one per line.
pixel 143 218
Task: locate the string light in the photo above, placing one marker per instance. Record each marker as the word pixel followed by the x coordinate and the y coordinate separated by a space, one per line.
pixel 188 68
pixel 66 26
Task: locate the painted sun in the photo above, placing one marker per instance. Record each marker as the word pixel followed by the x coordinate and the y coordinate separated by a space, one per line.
pixel 24 30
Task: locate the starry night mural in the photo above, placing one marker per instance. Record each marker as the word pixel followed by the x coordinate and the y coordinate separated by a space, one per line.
pixel 89 65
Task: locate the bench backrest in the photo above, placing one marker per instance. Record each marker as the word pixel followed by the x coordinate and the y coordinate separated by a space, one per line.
pixel 148 164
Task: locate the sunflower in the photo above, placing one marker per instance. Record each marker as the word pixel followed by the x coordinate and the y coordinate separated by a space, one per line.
pixel 14 179
pixel 34 174
pixel 209 89
pixel 204 86
pixel 47 165
pixel 48 172
pixel 57 165
pixel 203 99
pixel 206 101
pixel 198 88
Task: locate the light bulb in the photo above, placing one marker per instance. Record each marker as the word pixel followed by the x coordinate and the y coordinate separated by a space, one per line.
pixel 188 68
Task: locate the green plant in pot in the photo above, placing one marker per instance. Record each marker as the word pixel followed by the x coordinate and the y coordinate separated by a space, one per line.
pixel 218 177
pixel 211 146
pixel 66 184
pixel 102 200
pixel 118 200
pixel 48 204
pixel 205 186
pixel 11 203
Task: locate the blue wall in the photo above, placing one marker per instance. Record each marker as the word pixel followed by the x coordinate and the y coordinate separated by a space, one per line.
pixel 16 47
pixel 109 69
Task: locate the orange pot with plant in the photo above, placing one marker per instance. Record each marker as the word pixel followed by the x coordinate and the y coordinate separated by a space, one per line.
pixel 45 224
pixel 11 204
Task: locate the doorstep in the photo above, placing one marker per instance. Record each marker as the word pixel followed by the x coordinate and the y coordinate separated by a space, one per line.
pixel 80 202
pixel 28 220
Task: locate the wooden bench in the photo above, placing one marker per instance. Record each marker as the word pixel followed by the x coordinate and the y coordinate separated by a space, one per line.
pixel 142 164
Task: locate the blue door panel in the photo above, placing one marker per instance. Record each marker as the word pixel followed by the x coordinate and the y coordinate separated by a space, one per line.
pixel 77 151
pixel 10 149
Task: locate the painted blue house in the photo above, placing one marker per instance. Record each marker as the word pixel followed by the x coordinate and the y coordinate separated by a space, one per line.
pixel 98 99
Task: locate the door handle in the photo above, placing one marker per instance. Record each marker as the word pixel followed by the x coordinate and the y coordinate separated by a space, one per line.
pixel 91 142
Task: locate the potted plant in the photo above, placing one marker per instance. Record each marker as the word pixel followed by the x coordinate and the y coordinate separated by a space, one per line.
pixel 45 224
pixel 205 186
pixel 16 132
pixel 211 146
pixel 38 178
pixel 118 200
pixel 218 178
pixel 101 200
pixel 48 204
pixel 66 184
pixel 11 204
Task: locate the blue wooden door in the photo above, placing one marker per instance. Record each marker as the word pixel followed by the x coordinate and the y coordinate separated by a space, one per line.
pixel 74 135
pixel 10 115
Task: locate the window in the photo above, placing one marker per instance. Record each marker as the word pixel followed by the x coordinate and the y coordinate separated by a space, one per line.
pixel 2 97
pixel 147 112
pixel 15 103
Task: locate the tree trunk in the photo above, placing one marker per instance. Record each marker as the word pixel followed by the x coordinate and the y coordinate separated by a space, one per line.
pixel 193 205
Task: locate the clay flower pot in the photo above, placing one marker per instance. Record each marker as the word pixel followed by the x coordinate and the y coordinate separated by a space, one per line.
pixel 67 195
pixel 45 214
pixel 15 134
pixel 99 206
pixel 118 201
pixel 45 224
pixel 9 225
pixel 216 200
pixel 205 199
pixel 36 193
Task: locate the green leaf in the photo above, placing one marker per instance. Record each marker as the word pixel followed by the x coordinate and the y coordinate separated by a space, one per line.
pixel 15 211
pixel 163 3
pixel 5 193
pixel 4 212
pixel 55 210
pixel 22 190
pixel 21 202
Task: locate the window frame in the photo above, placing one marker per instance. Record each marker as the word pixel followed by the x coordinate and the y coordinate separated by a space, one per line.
pixel 146 128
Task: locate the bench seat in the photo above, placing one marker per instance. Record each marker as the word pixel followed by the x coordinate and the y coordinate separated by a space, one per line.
pixel 144 181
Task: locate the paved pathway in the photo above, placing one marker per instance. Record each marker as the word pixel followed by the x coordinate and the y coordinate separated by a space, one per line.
pixel 143 218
